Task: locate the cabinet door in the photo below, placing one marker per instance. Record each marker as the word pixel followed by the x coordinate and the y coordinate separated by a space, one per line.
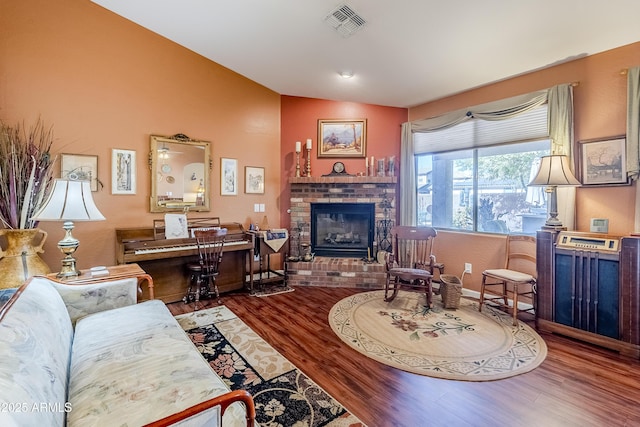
pixel 587 292
pixel 630 289
pixel 545 256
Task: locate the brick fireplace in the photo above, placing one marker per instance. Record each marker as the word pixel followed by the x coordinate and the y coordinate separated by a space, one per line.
pixel 343 271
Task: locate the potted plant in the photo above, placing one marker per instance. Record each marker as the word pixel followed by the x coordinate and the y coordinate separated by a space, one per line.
pixel 26 169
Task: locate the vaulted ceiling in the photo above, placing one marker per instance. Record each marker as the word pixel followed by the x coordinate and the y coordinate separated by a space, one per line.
pixel 401 53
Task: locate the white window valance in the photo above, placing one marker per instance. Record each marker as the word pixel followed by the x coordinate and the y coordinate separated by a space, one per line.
pixel 497 110
pixel 530 125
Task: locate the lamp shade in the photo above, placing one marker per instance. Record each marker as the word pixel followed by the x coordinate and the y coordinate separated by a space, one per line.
pixel 554 171
pixel 69 201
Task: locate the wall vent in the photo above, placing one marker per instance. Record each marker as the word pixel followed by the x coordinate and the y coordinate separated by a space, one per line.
pixel 344 20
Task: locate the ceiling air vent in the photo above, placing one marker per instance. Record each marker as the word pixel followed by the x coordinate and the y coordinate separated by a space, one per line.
pixel 344 20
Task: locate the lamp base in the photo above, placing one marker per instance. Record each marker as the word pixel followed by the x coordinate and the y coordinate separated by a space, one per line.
pixel 553 227
pixel 553 222
pixel 68 246
pixel 68 268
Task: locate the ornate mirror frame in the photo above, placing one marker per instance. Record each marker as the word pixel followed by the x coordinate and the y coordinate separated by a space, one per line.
pixel 180 168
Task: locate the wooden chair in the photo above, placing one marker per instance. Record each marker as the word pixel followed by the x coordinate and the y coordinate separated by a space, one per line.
pixel 202 275
pixel 411 262
pixel 517 278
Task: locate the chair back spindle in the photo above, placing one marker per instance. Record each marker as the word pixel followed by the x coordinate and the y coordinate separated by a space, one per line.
pixel 202 281
pixel 210 245
pixel 413 246
pixel 411 262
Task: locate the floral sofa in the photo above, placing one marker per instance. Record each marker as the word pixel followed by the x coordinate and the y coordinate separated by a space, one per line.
pixel 88 355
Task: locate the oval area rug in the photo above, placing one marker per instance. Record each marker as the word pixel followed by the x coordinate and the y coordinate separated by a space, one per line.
pixel 461 344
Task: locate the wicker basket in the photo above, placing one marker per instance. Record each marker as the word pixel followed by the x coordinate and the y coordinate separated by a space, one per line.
pixel 450 290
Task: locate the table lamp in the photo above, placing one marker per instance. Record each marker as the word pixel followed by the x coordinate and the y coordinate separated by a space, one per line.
pixel 554 172
pixel 69 201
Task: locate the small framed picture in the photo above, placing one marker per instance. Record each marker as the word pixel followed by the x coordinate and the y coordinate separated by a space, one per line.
pixel 228 177
pixel 123 171
pixel 603 161
pixel 342 138
pixel 80 167
pixel 253 180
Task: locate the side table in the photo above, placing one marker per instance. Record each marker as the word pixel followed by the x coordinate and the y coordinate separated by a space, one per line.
pixel 264 251
pixel 116 272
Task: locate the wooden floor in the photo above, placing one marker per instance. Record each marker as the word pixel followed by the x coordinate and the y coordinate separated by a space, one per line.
pixel 577 385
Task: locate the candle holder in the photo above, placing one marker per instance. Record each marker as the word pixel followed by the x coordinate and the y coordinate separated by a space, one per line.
pixel 297 164
pixel 308 165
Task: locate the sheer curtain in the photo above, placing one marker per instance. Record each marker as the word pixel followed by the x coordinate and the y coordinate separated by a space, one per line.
pixel 408 187
pixel 633 135
pixel 498 110
pixel 561 133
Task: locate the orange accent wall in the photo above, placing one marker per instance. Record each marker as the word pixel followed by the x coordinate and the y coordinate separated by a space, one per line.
pixel 300 122
pixel 104 82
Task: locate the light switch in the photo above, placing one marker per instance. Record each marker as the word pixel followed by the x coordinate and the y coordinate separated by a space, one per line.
pixel 261 207
pixel 256 207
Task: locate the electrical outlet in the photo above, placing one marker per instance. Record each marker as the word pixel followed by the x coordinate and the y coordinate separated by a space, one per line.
pixel 467 267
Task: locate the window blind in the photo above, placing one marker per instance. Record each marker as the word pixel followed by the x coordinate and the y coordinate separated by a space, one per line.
pixel 531 125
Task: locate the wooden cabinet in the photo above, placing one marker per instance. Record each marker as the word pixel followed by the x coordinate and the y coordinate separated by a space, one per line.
pixel 588 293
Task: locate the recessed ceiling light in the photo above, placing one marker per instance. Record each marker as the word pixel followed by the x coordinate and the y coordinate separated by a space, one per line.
pixel 346 74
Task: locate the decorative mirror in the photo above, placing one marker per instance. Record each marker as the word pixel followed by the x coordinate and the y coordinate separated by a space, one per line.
pixel 179 174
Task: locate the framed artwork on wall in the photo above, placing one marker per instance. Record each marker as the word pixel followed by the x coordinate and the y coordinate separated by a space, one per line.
pixel 253 180
pixel 80 167
pixel 603 162
pixel 342 138
pixel 123 171
pixel 228 177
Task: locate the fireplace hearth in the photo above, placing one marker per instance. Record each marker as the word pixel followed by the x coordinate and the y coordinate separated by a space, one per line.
pixel 342 229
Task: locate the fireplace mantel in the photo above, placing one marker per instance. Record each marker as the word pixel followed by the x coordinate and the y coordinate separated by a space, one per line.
pixel 343 180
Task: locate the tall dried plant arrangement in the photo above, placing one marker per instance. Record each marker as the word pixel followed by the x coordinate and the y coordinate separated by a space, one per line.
pixel 26 171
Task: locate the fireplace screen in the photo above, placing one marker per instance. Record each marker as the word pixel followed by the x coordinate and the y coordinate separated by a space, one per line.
pixel 342 229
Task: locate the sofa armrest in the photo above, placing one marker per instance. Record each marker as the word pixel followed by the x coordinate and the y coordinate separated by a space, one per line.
pixel 222 401
pixel 82 300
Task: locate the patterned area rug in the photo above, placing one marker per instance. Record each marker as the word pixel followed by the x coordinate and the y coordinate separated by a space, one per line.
pixel 284 396
pixel 460 344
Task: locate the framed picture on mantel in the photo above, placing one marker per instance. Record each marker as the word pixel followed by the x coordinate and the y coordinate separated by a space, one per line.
pixel 342 138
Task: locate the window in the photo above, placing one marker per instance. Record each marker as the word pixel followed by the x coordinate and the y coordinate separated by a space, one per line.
pixel 481 184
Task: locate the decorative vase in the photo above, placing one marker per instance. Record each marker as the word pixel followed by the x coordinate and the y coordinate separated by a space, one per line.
pixel 19 259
